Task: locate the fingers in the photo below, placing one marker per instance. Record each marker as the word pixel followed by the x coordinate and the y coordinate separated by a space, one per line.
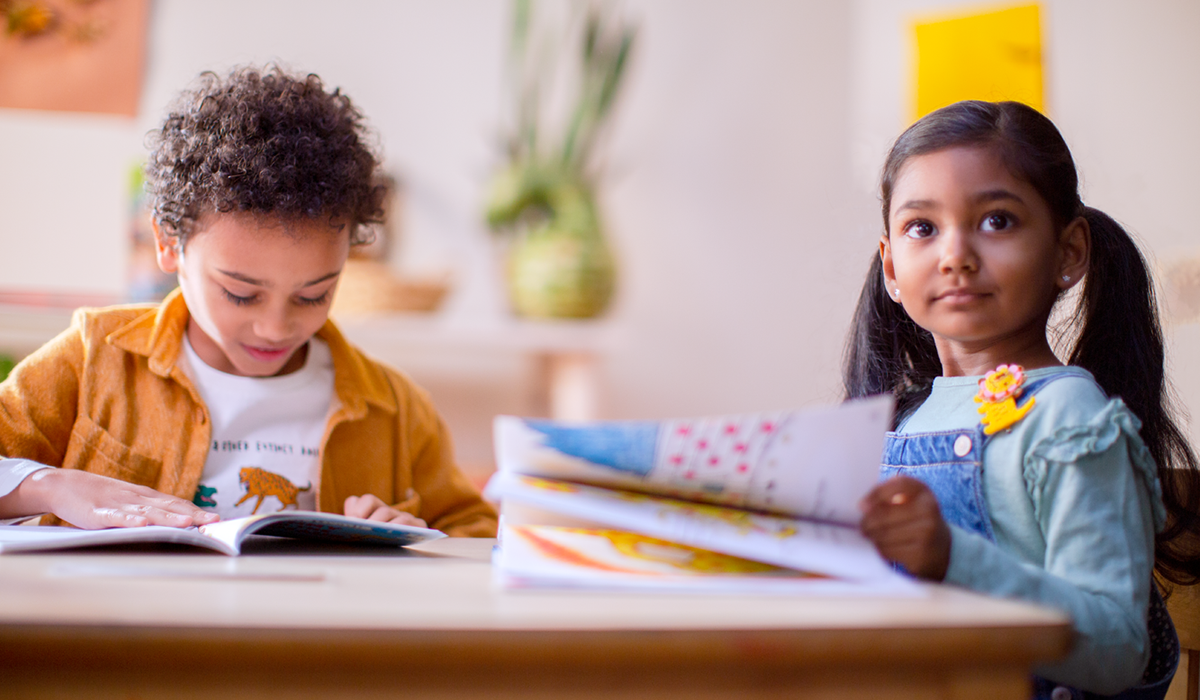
pixel 897 490
pixel 362 506
pixel 92 501
pixel 370 507
pixel 902 518
pixel 408 519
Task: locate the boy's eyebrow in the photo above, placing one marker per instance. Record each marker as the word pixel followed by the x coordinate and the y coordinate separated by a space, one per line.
pixel 260 283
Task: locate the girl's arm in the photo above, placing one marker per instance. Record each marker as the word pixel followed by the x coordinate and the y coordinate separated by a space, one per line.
pixel 1095 512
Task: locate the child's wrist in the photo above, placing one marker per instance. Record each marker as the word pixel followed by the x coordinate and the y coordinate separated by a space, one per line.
pixel 36 493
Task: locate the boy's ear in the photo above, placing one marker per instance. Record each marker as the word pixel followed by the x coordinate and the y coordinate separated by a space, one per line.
pixel 1075 250
pixel 166 250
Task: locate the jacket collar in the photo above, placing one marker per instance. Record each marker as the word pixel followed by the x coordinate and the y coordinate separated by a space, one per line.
pixel 158 335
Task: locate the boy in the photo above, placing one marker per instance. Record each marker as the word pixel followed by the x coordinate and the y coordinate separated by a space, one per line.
pixel 236 392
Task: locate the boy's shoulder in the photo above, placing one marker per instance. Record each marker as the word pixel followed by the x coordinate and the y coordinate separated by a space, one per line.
pixel 374 380
pixel 96 324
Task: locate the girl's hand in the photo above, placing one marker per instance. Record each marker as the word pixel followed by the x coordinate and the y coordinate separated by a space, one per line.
pixel 369 507
pixel 901 517
pixel 90 501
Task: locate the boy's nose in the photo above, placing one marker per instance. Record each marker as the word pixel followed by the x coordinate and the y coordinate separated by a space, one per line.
pixel 274 327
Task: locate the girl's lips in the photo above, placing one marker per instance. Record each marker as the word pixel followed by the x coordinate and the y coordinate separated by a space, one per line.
pixel 960 296
pixel 267 354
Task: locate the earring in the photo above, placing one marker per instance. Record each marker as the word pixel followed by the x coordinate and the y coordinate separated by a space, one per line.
pixel 1066 278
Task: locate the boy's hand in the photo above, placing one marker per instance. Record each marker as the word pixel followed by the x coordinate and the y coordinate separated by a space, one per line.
pixel 369 507
pixel 901 517
pixel 90 501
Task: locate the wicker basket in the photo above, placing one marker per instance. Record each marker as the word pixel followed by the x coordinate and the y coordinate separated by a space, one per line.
pixel 370 287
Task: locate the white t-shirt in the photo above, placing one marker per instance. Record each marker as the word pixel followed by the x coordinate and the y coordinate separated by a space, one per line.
pixel 266 434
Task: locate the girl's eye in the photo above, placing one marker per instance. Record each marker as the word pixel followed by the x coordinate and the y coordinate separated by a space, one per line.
pixel 317 301
pixel 919 229
pixel 997 221
pixel 238 301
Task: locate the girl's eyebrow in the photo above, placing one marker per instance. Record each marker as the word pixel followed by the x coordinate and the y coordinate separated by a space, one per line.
pixel 981 198
pixel 998 194
pixel 260 283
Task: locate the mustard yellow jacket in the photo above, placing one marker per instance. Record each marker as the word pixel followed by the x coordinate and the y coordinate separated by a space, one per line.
pixel 106 396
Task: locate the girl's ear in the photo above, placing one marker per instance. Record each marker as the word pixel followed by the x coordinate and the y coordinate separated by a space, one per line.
pixel 166 250
pixel 889 272
pixel 1075 250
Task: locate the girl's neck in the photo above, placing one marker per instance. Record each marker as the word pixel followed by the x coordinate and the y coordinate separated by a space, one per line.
pixel 961 360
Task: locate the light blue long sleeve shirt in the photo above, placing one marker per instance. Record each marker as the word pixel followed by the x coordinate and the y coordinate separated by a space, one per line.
pixel 1074 501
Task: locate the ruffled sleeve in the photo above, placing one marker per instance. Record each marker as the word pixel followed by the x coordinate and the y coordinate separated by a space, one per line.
pixel 1069 444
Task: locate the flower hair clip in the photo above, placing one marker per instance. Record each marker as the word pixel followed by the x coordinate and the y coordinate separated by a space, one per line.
pixel 998 393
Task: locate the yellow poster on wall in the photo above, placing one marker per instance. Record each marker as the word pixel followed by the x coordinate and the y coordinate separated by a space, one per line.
pixel 994 55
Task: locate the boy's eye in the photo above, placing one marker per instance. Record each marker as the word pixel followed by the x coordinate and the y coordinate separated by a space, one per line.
pixel 919 229
pixel 239 301
pixel 997 221
pixel 313 301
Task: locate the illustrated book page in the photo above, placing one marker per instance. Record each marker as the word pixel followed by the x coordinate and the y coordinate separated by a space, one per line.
pixel 779 489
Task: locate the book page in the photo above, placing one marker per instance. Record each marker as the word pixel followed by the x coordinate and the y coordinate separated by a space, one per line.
pixel 535 556
pixel 42 538
pixel 829 549
pixel 325 527
pixel 814 463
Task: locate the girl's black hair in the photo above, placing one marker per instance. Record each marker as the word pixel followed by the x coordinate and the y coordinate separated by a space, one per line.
pixel 263 141
pixel 1116 328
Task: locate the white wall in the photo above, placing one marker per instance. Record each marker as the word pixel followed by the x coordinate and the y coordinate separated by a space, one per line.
pixel 740 180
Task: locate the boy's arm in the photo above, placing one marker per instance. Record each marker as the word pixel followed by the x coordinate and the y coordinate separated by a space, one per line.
pixel 38 411
pixel 39 400
pixel 448 501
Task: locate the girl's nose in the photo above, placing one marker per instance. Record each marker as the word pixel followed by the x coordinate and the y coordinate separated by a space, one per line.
pixel 958 252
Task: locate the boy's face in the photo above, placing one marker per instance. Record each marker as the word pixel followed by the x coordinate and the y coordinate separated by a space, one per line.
pixel 257 288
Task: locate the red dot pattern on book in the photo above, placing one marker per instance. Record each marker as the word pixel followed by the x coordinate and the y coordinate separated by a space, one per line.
pixel 719 454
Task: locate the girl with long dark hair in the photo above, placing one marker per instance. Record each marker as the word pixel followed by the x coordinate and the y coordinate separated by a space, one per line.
pixel 1009 471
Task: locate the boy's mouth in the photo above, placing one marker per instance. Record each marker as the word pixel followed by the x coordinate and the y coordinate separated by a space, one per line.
pixel 267 354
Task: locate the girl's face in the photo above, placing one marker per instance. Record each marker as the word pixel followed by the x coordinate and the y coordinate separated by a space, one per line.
pixel 973 255
pixel 257 288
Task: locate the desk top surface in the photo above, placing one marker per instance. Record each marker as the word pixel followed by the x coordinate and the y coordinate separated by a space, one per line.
pixel 443 585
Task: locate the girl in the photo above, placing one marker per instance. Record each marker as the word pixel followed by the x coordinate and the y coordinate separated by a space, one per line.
pixel 1012 474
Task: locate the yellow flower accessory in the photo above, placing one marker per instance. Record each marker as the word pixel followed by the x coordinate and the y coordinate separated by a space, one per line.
pixel 998 392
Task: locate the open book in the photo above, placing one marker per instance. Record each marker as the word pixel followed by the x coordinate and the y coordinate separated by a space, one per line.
pixel 764 502
pixel 226 536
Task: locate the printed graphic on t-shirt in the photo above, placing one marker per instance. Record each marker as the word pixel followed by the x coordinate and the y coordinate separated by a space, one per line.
pixel 261 477
pixel 260 483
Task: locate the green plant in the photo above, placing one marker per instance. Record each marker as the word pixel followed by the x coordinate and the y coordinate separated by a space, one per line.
pixel 550 171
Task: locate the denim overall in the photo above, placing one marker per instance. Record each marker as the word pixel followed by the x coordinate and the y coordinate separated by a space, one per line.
pixel 951 464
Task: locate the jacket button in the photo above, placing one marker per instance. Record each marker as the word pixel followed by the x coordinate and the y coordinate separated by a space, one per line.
pixel 962 446
pixel 1061 693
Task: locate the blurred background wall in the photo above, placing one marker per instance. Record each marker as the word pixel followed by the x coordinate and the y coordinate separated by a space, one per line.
pixel 740 172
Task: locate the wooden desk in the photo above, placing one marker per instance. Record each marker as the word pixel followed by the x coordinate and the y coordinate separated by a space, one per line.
pixel 429 625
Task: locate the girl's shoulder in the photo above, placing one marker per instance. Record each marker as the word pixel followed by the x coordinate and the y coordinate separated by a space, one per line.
pixel 1060 395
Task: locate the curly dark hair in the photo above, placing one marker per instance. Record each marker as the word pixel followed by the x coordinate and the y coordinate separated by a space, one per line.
pixel 263 142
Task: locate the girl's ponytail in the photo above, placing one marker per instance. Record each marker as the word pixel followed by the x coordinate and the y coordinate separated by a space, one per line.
pixel 886 352
pixel 1121 343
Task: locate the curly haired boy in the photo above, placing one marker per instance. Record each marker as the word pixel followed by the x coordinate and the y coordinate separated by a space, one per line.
pixel 261 183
